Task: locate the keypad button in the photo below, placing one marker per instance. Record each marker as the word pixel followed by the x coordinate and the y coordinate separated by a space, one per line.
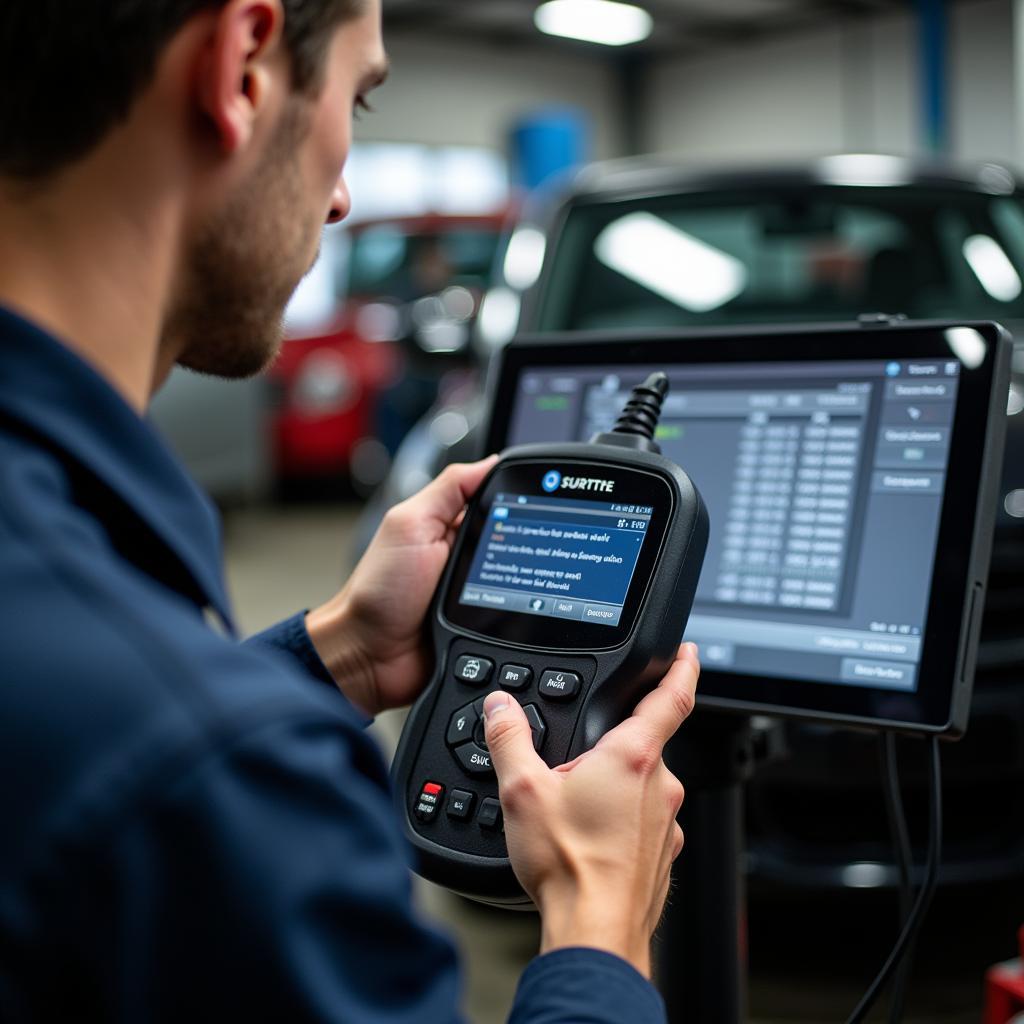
pixel 461 725
pixel 490 814
pixel 514 677
pixel 479 736
pixel 428 801
pixel 558 684
pixel 537 726
pixel 478 706
pixel 460 804
pixel 473 669
pixel 474 759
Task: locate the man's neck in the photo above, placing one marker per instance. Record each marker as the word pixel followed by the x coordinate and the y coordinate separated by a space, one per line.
pixel 93 264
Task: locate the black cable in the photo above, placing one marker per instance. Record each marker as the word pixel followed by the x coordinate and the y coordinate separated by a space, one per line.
pixel 903 857
pixel 931 876
pixel 641 413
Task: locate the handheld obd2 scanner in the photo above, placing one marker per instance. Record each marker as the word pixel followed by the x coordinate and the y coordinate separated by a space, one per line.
pixel 569 586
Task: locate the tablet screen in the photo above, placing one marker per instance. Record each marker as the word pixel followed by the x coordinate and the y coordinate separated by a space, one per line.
pixel 851 476
pixel 824 482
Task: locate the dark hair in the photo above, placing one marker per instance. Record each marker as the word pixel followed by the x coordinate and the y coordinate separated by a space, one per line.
pixel 71 69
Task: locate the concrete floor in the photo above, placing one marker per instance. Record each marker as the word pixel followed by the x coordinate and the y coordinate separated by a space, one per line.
pixel 810 957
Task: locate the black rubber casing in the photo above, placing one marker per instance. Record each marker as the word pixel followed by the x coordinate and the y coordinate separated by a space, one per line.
pixel 460 854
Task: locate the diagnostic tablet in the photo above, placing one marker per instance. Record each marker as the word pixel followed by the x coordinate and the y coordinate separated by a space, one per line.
pixel 850 474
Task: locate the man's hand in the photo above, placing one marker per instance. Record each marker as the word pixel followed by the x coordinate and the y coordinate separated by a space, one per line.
pixel 593 841
pixel 370 636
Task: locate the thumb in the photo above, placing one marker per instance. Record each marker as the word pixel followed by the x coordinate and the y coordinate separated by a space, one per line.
pixel 445 498
pixel 509 738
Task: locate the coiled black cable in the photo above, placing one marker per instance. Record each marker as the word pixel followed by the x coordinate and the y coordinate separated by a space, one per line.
pixel 641 413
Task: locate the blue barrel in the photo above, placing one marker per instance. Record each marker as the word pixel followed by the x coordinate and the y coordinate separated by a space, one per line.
pixel 546 143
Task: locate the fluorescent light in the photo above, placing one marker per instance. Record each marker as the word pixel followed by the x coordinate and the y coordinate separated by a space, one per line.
pixel 670 262
pixel 1014 504
pixel 865 169
pixel 524 258
pixel 992 267
pixel 1015 403
pixel 594 21
pixel 968 346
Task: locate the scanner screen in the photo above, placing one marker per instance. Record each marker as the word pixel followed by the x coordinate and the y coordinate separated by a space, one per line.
pixel 566 558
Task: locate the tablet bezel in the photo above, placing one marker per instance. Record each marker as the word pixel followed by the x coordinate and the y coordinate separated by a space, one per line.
pixel 940 701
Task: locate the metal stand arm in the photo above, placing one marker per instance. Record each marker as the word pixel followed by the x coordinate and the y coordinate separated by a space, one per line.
pixel 701 944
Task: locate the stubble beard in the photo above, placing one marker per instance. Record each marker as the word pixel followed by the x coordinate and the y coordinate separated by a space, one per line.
pixel 244 266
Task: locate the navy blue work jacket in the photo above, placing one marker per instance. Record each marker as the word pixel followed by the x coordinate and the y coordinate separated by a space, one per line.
pixel 191 828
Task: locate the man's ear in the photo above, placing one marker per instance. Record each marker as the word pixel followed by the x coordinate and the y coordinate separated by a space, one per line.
pixel 235 71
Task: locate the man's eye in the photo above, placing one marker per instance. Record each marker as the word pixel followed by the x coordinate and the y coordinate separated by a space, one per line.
pixel 360 107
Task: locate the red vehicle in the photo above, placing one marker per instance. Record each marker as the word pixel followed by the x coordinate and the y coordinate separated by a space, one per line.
pixel 409 292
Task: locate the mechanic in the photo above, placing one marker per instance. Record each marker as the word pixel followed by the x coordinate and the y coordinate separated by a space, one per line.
pixel 196 828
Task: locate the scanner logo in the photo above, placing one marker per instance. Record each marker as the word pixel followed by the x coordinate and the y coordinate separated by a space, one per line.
pixel 587 483
pixel 552 480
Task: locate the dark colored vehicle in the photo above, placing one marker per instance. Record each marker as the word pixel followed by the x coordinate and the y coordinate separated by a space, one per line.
pixel 641 245
pixel 409 292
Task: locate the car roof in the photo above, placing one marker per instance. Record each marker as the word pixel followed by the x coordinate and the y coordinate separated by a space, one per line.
pixel 620 179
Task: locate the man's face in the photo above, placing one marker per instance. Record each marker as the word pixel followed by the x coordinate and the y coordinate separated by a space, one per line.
pixel 246 261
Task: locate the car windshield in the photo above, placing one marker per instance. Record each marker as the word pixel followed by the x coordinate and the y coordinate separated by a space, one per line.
pixel 821 253
pixel 388 260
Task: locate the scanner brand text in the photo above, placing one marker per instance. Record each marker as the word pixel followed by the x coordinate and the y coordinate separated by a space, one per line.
pixel 586 483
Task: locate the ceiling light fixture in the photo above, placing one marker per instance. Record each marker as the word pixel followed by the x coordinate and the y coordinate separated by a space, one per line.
pixel 594 21
pixel 870 170
pixel 671 263
pixel 992 267
pixel 968 345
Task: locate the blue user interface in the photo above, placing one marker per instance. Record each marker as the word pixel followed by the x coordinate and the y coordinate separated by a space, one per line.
pixel 561 557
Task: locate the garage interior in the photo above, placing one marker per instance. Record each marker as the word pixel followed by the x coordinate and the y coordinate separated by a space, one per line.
pixel 717 85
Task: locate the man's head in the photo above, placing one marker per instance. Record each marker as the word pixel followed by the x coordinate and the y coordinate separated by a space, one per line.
pixel 259 94
pixel 72 70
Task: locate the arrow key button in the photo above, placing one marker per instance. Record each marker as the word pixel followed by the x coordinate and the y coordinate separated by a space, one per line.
pixel 461 726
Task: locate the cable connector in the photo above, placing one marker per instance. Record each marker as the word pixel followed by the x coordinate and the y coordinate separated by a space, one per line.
pixel 638 421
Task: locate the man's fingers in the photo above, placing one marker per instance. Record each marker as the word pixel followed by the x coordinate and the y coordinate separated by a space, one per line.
pixel 510 742
pixel 568 767
pixel 665 709
pixel 445 498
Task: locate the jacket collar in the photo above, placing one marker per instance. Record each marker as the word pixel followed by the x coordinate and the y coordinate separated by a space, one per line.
pixel 56 395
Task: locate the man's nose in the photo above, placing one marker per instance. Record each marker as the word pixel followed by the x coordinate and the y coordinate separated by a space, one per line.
pixel 341 203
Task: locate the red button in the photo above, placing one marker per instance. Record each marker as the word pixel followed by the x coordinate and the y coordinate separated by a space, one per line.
pixel 432 788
